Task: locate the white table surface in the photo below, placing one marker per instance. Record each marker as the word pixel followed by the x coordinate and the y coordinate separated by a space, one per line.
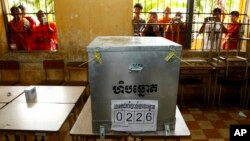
pixel 45 117
pixel 55 94
pixel 13 91
pixel 2 104
pixel 85 118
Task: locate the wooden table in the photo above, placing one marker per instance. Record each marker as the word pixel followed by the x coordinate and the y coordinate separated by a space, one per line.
pixel 77 65
pixel 74 67
pixel 9 93
pixel 234 69
pixel 55 94
pixel 198 68
pixel 33 118
pixel 82 128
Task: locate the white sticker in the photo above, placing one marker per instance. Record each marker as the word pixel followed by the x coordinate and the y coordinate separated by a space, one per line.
pixel 134 115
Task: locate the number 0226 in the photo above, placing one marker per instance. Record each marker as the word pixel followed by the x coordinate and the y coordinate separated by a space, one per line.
pixel 134 117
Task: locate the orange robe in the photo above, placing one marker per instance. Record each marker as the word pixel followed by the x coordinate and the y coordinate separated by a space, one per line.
pixel 178 33
pixel 30 32
pixel 162 21
pixel 18 34
pixel 233 35
pixel 44 39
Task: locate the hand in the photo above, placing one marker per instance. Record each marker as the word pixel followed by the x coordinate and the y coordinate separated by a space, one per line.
pixel 152 20
pixel 207 19
pixel 26 24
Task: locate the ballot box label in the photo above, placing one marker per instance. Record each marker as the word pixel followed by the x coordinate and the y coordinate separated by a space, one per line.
pixel 134 115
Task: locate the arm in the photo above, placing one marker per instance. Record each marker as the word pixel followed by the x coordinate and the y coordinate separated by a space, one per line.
pixel 223 28
pixel 202 29
pixel 144 30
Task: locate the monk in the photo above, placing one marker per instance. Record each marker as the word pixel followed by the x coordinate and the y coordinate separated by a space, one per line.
pixel 45 34
pixel 18 30
pixel 232 36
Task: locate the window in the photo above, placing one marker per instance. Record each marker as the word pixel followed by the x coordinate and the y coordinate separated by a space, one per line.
pixel 159 6
pixel 200 12
pixel 30 25
pixel 194 12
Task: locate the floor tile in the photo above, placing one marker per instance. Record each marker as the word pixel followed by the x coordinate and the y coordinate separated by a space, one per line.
pixel 200 117
pixel 212 116
pixel 219 124
pixel 192 125
pixel 212 134
pixel 205 125
pixel 198 134
pixel 212 123
pixel 188 117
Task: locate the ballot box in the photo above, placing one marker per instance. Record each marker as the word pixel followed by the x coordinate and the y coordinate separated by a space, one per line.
pixel 133 83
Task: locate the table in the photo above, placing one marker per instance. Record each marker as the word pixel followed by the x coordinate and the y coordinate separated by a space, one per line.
pixel 198 68
pixel 58 95
pixel 33 118
pixel 77 66
pixel 55 94
pixel 82 129
pixel 235 70
pixel 74 67
pixel 2 105
pixel 9 93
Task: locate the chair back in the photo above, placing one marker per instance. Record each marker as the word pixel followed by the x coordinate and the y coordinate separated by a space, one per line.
pixel 9 65
pixel 54 69
pixel 9 72
pixel 53 64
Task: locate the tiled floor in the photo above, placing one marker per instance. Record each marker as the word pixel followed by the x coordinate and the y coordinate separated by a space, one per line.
pixel 212 123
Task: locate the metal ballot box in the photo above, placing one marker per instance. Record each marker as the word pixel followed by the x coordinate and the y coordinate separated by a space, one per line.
pixel 133 83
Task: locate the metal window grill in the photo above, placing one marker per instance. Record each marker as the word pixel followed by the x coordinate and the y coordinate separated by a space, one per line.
pixel 32 7
pixel 194 12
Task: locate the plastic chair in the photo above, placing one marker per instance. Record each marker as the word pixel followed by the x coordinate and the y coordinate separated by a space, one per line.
pixel 10 72
pixel 54 72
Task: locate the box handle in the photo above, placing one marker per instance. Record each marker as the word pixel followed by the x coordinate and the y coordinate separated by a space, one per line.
pixel 102 132
pixel 135 67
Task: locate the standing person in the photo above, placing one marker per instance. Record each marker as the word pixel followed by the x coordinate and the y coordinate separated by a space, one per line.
pixel 31 27
pixel 138 22
pixel 232 36
pixel 178 29
pixel 166 19
pixel 18 30
pixel 212 27
pixel 152 28
pixel 30 19
pixel 45 36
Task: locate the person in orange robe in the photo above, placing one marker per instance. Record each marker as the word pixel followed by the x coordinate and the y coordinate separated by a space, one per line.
pixel 45 34
pixel 232 36
pixel 164 21
pixel 31 27
pixel 18 28
pixel 178 29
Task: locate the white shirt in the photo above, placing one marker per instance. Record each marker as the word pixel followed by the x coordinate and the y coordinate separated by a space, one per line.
pixel 212 35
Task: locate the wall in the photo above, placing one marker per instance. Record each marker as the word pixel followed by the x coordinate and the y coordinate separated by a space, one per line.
pixel 78 23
